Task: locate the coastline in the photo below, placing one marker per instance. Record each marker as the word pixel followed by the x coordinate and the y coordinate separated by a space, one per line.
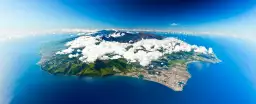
pixel 175 78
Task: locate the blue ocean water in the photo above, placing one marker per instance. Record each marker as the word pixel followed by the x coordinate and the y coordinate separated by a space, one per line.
pixel 232 81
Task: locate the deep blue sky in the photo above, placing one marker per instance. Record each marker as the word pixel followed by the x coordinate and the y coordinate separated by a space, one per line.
pixel 227 16
pixel 158 13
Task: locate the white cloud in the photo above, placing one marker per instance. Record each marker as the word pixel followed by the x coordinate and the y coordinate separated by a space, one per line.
pixel 116 34
pixel 143 51
pixel 174 24
pixel 210 51
pixel 73 56
pixel 201 50
pixel 65 51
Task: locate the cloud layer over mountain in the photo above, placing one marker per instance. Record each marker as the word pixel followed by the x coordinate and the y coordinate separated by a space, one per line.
pixel 88 49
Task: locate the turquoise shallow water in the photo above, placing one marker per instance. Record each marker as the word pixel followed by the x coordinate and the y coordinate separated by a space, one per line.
pixel 229 82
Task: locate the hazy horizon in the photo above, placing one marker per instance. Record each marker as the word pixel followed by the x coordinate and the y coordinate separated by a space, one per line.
pixel 231 18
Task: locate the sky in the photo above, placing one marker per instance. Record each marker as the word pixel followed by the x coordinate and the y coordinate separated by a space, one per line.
pixel 225 17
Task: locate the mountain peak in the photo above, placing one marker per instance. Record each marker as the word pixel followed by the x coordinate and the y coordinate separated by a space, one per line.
pixel 124 36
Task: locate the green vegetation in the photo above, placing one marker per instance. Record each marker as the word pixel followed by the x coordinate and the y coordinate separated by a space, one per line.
pixel 89 72
pixel 129 47
pixel 140 76
pixel 61 64
pixel 184 57
pixel 180 56
pixel 176 62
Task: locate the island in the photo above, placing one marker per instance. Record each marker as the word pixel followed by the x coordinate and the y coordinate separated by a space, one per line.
pixel 134 54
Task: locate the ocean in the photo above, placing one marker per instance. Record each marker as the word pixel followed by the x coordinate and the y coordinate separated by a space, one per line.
pixel 233 81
